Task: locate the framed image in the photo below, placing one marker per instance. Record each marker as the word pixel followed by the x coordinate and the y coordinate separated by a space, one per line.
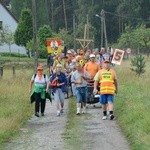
pixel 118 56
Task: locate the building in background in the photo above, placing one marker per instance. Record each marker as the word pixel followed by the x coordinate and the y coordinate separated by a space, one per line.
pixel 9 23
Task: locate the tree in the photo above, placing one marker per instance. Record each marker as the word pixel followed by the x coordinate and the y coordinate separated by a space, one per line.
pixel 66 37
pixel 24 31
pixel 6 36
pixel 136 38
pixel 142 35
pixel 44 33
pixel 19 5
pixel 138 64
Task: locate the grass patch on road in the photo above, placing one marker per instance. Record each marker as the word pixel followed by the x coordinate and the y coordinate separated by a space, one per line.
pixel 132 106
pixel 72 133
pixel 73 129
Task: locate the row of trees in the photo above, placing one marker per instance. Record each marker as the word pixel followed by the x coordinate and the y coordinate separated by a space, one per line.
pixel 61 16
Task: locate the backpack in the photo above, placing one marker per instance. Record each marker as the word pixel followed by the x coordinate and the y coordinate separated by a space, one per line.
pixel 44 77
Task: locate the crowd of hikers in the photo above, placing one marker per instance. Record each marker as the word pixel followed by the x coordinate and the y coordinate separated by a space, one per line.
pixel 76 70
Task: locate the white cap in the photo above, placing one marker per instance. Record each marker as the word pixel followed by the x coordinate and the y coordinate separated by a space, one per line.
pixel 58 65
pixel 92 55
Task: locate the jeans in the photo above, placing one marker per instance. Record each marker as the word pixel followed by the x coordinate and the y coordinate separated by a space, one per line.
pixel 81 94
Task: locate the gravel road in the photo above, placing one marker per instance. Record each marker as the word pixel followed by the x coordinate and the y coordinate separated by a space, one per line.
pixel 45 133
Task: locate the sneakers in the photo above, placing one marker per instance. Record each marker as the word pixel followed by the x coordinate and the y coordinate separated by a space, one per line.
pixel 62 111
pixel 111 117
pixel 42 114
pixel 37 114
pixel 58 113
pixel 78 111
pixel 104 117
pixel 84 110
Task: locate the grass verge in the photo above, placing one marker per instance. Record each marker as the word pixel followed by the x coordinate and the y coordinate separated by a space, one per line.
pixel 132 106
pixel 15 107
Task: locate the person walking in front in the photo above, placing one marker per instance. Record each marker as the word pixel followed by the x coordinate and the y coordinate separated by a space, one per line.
pixel 58 83
pixel 108 87
pixel 92 67
pixel 41 85
pixel 79 78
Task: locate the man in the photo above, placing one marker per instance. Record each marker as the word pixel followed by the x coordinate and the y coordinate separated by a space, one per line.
pixel 92 67
pixel 108 87
pixel 79 78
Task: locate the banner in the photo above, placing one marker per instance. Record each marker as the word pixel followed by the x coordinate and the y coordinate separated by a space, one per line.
pixel 118 56
pixel 54 46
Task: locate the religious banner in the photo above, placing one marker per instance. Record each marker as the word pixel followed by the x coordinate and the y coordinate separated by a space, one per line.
pixel 54 46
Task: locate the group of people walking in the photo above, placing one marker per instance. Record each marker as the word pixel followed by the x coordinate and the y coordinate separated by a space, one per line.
pixel 78 72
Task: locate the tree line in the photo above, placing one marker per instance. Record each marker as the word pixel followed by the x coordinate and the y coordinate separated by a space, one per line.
pixel 68 17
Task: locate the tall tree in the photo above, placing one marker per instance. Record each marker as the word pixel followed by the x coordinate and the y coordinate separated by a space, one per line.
pixel 24 32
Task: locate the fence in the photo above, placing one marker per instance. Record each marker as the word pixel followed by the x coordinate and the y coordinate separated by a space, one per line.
pixel 2 70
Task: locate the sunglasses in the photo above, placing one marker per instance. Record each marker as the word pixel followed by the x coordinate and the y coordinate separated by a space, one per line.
pixel 40 69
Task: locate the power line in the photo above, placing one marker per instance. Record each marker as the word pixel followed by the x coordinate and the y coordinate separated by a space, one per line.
pixel 128 17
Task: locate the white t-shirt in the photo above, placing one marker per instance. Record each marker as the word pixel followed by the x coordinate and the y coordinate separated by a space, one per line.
pixel 40 82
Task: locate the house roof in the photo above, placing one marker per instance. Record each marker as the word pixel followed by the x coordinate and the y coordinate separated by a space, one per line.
pixel 3 4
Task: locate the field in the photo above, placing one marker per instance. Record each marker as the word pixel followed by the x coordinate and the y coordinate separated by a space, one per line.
pixel 131 104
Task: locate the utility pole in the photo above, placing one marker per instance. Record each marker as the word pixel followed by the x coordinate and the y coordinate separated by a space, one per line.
pixel 103 30
pixel 35 34
pixel 65 17
pixel 105 34
pixel 74 32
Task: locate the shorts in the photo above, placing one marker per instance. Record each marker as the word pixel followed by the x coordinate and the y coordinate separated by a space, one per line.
pixel 59 96
pixel 81 94
pixel 105 98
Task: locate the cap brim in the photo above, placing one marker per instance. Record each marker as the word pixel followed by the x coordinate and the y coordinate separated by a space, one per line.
pixel 106 61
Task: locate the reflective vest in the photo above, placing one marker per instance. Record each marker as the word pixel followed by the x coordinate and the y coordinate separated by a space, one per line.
pixel 107 81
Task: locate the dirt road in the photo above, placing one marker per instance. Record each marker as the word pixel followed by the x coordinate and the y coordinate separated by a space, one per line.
pixel 45 133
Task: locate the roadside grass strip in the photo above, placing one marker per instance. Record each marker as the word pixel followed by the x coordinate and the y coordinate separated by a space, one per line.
pixel 132 107
pixel 15 107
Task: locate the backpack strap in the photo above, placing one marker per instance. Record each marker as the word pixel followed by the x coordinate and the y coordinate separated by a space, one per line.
pixel 44 77
pixel 34 76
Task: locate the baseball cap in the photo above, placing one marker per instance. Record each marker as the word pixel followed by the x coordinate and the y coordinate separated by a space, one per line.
pixel 40 67
pixel 58 65
pixel 106 61
pixel 92 55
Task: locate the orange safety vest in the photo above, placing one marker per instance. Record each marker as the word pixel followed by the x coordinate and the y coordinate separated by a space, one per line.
pixel 107 81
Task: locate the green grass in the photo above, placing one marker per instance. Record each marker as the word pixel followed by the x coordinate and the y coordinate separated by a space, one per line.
pixel 74 130
pixel 15 107
pixel 132 106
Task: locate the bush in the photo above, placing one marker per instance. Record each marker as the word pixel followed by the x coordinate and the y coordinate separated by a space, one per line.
pixel 6 54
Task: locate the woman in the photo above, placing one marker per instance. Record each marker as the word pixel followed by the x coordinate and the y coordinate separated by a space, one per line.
pixel 41 85
pixel 58 82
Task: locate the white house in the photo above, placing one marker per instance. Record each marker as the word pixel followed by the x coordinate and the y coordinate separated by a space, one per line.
pixel 9 22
